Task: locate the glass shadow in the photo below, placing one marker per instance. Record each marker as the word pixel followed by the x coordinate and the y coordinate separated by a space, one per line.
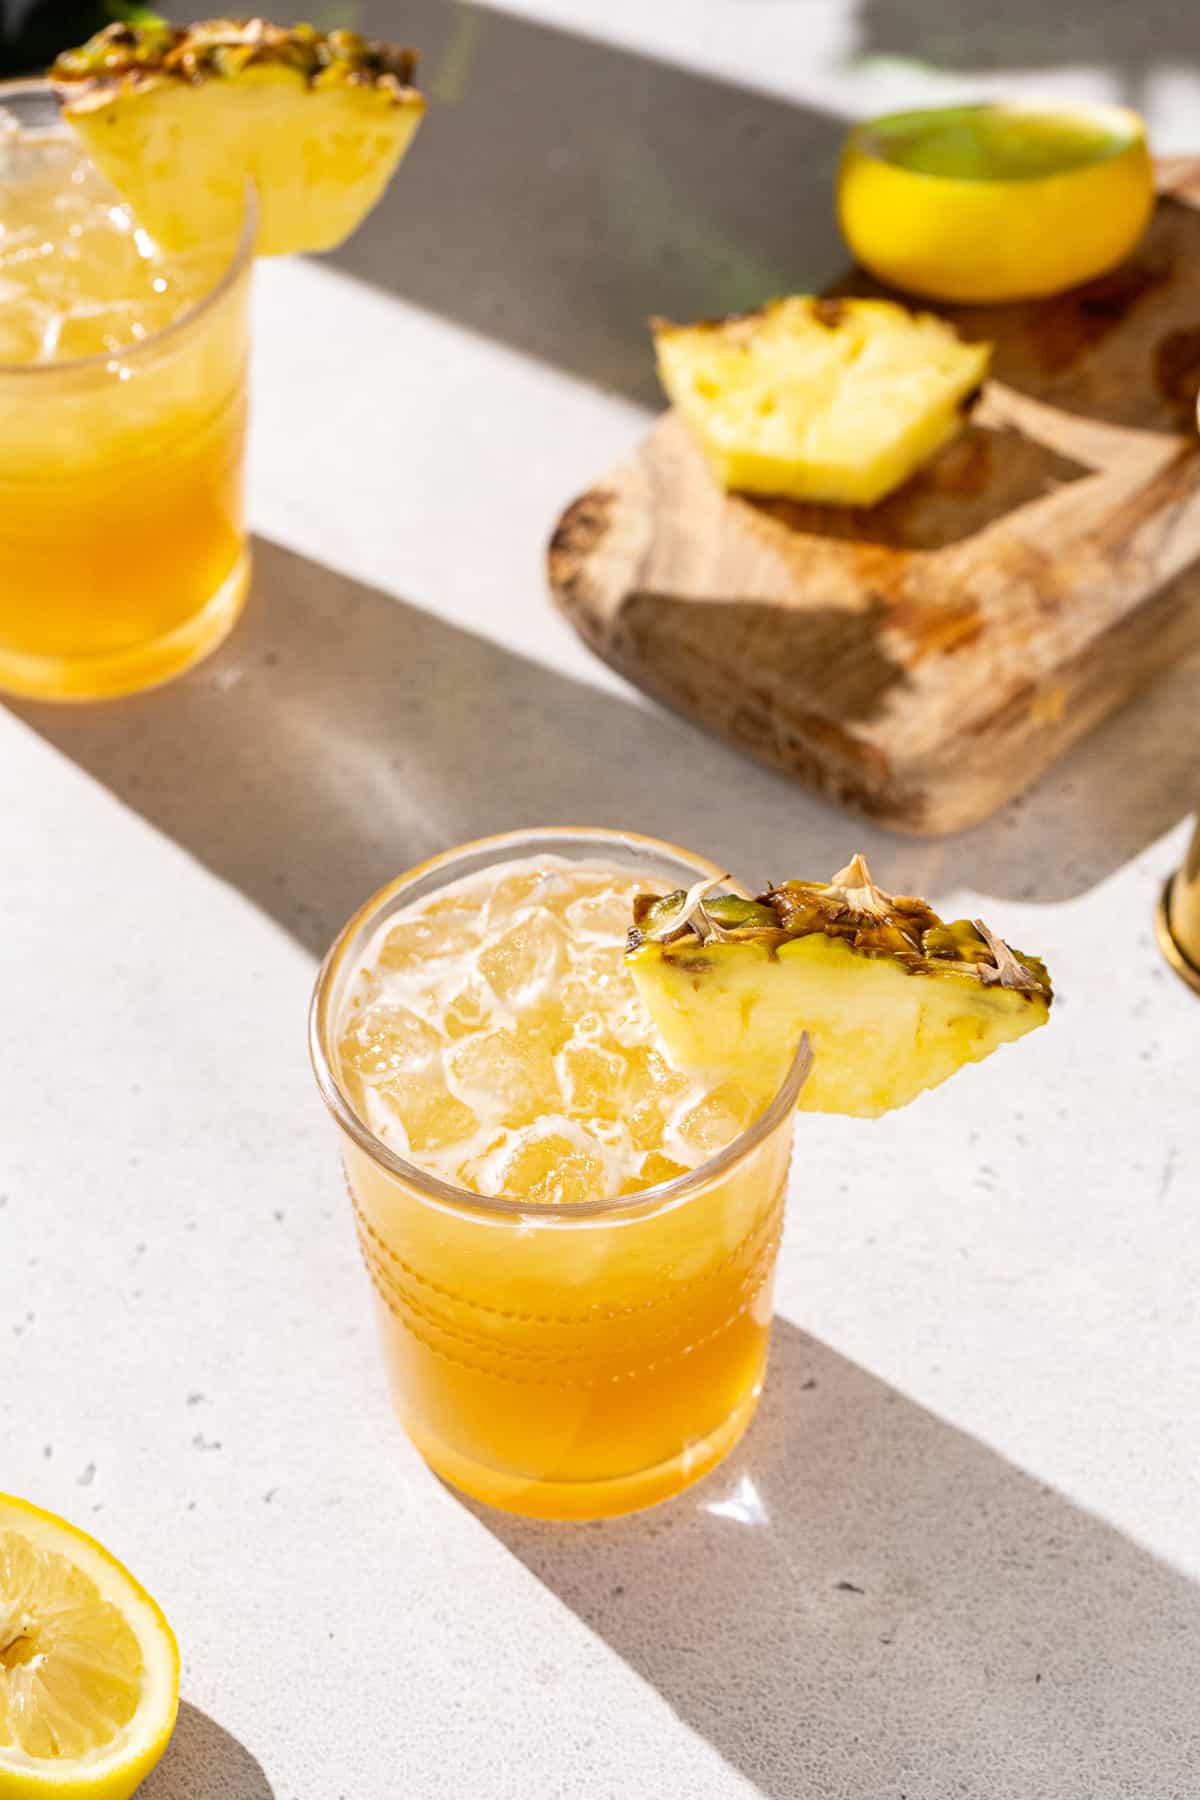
pixel 866 1601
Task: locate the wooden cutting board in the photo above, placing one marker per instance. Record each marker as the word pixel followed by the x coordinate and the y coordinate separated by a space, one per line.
pixel 925 659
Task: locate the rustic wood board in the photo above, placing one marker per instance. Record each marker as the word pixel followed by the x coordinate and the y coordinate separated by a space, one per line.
pixel 924 660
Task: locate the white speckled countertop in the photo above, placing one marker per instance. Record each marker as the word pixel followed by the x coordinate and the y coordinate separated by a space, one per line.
pixel 958 1553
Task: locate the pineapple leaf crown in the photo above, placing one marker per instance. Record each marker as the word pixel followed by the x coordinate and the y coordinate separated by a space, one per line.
pixel 851 907
pixel 224 48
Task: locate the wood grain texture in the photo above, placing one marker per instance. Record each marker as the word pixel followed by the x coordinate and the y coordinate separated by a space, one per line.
pixel 925 659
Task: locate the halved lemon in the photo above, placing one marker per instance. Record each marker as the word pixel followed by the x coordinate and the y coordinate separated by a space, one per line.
pixel 995 202
pixel 89 1667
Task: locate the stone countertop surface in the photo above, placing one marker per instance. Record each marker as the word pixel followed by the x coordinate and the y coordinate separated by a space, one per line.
pixel 958 1553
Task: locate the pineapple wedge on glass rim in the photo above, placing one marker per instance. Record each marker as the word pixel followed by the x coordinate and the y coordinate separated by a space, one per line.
pixel 834 402
pixel 893 998
pixel 182 119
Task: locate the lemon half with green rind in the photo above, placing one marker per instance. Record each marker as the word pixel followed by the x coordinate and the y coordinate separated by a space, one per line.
pixel 995 202
pixel 89 1667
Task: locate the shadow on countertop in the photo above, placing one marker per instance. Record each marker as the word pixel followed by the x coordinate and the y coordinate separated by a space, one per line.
pixel 203 1762
pixel 977 36
pixel 866 1602
pixel 561 190
pixel 342 735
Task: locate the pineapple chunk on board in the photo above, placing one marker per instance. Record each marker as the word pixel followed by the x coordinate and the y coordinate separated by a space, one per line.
pixel 894 1000
pixel 829 401
pixel 183 120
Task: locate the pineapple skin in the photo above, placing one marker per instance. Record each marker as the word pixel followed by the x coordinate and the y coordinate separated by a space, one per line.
pixel 318 151
pixel 880 1034
pixel 826 402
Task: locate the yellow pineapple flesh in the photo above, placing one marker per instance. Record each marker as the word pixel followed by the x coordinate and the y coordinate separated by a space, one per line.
pixel 894 1000
pixel 184 121
pixel 830 401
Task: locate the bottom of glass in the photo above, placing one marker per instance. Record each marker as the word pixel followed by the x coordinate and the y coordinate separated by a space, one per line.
pixel 76 678
pixel 580 1500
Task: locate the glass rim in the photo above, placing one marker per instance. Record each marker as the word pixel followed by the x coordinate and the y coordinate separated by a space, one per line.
pixel 241 257
pixel 664 1195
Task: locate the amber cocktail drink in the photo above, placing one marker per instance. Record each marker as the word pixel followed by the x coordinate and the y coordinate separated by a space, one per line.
pixel 572 1243
pixel 122 423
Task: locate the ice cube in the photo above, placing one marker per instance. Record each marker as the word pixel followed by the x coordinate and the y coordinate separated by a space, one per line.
pixel 388 1039
pixel 651 1074
pixel 654 1089
pixel 554 1168
pixel 645 1122
pixel 716 1120
pixel 605 915
pixel 469 1009
pixel 478 1171
pixel 508 1078
pixel 655 1168
pixel 592 977
pixel 548 1024
pixel 432 1117
pixel 414 941
pixel 25 328
pixel 532 952
pixel 516 893
pixel 593 1081
pixel 88 328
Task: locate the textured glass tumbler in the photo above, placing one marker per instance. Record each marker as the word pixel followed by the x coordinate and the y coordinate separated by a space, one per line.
pixel 123 553
pixel 581 1360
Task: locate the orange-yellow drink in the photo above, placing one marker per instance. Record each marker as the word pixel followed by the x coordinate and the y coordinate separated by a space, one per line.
pixel 122 423
pixel 572 1243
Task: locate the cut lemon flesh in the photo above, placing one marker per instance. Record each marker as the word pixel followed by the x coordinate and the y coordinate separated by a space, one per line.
pixel 89 1667
pixel 994 203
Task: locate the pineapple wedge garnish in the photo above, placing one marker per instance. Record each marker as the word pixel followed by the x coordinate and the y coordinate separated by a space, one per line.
pixel 830 401
pixel 183 120
pixel 893 999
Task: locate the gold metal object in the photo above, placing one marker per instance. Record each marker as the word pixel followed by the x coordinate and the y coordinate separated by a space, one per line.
pixel 1177 920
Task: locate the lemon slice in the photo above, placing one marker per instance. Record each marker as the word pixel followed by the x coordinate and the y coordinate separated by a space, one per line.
pixel 995 202
pixel 89 1668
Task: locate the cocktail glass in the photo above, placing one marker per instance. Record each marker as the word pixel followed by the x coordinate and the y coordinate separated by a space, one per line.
pixel 568 1361
pixel 123 555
